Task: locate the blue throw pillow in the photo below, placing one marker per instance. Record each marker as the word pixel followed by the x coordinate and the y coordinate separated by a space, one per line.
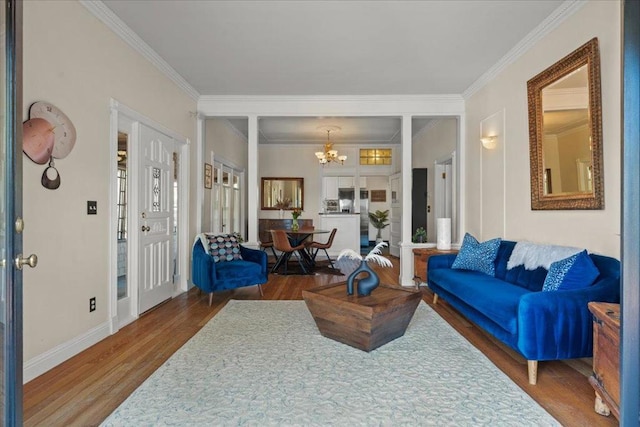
pixel 477 256
pixel 224 247
pixel 577 271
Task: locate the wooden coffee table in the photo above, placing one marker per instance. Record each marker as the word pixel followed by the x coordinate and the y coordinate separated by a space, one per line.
pixel 367 322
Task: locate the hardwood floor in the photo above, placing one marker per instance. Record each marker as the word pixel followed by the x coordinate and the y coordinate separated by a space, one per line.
pixel 84 390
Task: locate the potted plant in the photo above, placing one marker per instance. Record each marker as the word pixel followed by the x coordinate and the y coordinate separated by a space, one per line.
pixel 379 220
pixel 420 236
pixel 295 213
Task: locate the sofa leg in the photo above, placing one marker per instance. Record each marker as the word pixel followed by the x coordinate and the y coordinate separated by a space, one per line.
pixel 210 298
pixel 600 407
pixel 260 288
pixel 435 299
pixel 532 367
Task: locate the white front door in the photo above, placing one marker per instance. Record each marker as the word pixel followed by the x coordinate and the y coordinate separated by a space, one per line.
pixel 156 218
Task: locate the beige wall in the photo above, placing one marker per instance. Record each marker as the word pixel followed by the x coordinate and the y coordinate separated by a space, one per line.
pixel 507 179
pixel 73 61
pixel 296 161
pixel 432 144
pixel 224 144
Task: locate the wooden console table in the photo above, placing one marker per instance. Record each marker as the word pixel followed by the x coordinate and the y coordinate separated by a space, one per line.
pixel 420 260
pixel 606 355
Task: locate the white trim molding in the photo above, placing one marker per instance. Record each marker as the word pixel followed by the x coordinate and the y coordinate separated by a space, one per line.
pixel 297 106
pixel 55 356
pixel 564 11
pixel 122 30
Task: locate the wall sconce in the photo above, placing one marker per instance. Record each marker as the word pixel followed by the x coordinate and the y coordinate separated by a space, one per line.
pixel 489 142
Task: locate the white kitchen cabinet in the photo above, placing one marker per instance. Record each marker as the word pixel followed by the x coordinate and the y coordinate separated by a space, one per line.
pixel 363 182
pixel 345 182
pixel 330 187
pixel 347 236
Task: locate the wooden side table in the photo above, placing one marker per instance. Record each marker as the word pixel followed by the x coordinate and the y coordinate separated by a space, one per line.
pixel 363 322
pixel 420 260
pixel 606 355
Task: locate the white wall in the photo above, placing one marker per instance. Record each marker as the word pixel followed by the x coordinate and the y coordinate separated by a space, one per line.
pixel 73 61
pixel 435 142
pixel 497 182
pixel 379 183
pixel 222 143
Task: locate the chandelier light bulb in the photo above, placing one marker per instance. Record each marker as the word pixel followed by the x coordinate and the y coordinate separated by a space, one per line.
pixel 329 154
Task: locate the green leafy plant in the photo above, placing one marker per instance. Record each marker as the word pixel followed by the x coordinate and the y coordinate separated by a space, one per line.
pixel 420 236
pixel 379 220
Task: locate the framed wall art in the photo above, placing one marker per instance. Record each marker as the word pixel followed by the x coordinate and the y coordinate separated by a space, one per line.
pixel 208 175
pixel 378 195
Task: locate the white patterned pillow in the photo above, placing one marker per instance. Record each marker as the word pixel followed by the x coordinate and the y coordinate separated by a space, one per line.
pixel 535 255
pixel 224 247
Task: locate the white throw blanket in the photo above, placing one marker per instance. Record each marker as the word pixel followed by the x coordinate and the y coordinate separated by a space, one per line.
pixel 534 255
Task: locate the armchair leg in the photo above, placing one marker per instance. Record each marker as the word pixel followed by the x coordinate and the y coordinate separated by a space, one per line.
pixel 260 289
pixel 532 367
pixel 435 299
pixel 210 299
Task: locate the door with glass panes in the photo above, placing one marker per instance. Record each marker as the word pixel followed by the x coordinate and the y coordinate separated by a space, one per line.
pixel 226 200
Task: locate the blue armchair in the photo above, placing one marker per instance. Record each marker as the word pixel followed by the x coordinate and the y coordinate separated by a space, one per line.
pixel 210 274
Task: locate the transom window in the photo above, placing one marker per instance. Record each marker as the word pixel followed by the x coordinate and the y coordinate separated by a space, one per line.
pixel 375 156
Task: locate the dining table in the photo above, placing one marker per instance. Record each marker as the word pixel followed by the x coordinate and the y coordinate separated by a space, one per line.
pixel 296 237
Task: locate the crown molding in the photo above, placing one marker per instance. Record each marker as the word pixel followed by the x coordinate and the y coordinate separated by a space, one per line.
pixel 431 124
pixel 564 11
pixel 233 129
pixel 330 105
pixel 330 98
pixel 111 20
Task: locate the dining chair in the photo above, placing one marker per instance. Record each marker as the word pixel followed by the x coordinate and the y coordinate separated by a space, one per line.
pixel 281 243
pixel 269 245
pixel 314 247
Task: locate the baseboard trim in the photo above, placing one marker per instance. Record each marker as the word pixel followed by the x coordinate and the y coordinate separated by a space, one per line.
pixel 52 358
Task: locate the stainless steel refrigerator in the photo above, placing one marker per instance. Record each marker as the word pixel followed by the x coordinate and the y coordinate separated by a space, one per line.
pixel 364 218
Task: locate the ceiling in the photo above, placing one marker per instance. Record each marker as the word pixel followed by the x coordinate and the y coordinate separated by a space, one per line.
pixel 309 47
pixel 310 130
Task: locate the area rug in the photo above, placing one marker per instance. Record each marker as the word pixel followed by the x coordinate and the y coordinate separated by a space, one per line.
pixel 264 363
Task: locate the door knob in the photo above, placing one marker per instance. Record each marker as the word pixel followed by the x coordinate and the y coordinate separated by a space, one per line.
pixel 31 261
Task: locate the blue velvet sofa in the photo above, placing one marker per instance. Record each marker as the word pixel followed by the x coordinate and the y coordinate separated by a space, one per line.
pixel 539 325
pixel 247 267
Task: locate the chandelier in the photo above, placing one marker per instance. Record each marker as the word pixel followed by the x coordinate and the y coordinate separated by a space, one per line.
pixel 329 154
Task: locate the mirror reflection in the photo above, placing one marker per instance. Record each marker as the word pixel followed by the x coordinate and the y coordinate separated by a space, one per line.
pixel 282 193
pixel 566 138
pixel 565 133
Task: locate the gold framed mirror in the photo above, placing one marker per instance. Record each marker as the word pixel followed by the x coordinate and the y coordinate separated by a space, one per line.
pixel 565 133
pixel 282 193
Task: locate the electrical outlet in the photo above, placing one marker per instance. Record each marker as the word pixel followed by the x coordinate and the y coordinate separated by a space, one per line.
pixel 92 207
pixel 92 304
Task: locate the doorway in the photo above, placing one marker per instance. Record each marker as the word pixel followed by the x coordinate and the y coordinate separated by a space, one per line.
pixel 148 215
pixel 445 194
